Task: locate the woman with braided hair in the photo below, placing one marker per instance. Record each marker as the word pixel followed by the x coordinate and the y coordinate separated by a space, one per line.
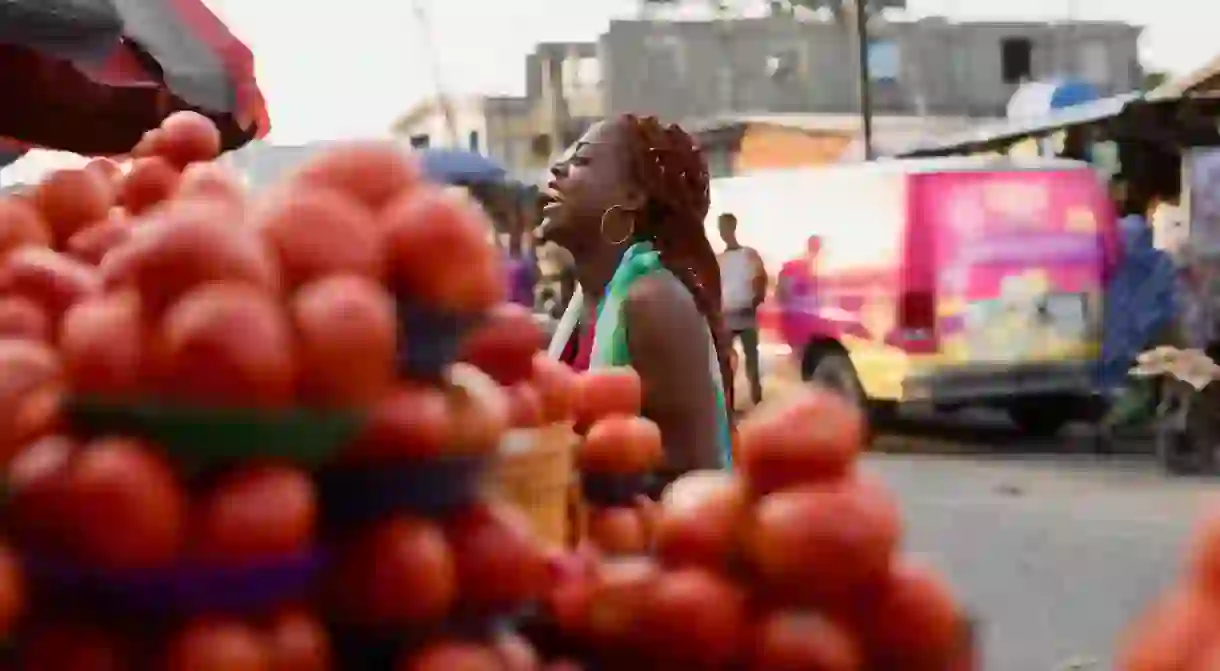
pixel 628 203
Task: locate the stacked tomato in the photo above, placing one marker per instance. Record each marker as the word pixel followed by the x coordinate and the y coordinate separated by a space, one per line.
pixel 173 351
pixel 616 457
pixel 793 565
pixel 1182 629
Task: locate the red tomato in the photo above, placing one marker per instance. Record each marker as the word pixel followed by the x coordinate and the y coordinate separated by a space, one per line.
pixel 188 137
pixel 399 573
pixel 138 494
pixel 618 530
pixel 38 485
pixel 106 169
pixel 794 641
pixel 255 512
pixel 504 345
pixel 700 520
pixel 30 376
pixel 696 619
pixel 622 594
pixel 845 534
pixel 479 412
pixel 185 245
pixel 371 172
pixel 1204 561
pixel 24 319
pixel 607 391
pixel 211 182
pixel 1176 633
pixel 320 232
pixel 426 230
pixel 72 199
pixel 556 382
pixel 621 444
pixel 814 436
pixel 91 243
pixel 524 406
pixel 149 182
pixel 452 657
pixel 215 644
pixel 229 345
pixel 21 224
pixel 75 647
pixel 12 591
pixel 500 566
pixel 149 144
pixel 53 280
pixel 347 338
pixel 411 422
pixel 299 642
pixel 102 342
pixel 916 622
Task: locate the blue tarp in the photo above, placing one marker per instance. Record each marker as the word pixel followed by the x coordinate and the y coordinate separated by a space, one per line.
pixel 1141 300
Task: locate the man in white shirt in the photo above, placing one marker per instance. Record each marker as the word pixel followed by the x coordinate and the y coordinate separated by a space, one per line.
pixel 743 282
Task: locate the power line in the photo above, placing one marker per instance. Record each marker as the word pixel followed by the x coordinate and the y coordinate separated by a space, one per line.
pixel 432 53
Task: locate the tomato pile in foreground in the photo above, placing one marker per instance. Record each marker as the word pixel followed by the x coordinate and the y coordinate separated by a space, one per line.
pixel 235 430
pixel 1181 631
pixel 793 564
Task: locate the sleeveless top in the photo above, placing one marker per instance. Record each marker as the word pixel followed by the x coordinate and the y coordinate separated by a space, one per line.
pixel 609 333
pixel 737 280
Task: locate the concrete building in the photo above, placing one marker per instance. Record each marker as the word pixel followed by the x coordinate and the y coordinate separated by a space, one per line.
pixel 699 69
pixel 563 95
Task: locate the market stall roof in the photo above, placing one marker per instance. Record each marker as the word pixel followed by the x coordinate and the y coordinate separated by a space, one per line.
pixel 1204 81
pixel 994 135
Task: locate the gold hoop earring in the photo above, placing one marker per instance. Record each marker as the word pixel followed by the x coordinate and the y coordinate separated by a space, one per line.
pixel 602 228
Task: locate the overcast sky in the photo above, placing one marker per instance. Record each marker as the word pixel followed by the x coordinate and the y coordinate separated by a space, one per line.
pixel 337 69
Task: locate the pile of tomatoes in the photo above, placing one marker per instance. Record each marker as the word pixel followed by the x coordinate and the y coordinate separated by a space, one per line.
pixel 793 565
pixel 1182 629
pixel 168 291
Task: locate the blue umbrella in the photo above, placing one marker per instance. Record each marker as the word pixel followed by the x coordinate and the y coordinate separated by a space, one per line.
pixel 458 166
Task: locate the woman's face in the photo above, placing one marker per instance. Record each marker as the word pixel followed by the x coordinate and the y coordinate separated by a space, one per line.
pixel 586 183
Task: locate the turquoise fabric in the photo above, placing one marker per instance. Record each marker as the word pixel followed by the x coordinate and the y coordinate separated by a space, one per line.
pixel 610 332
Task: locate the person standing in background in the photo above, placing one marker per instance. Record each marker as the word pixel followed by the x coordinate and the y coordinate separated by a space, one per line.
pixel 743 282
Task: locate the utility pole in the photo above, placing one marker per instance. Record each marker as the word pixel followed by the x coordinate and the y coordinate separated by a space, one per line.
pixel 430 46
pixel 866 93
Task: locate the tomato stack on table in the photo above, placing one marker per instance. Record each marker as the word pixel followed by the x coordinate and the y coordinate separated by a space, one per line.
pixel 235 432
pixel 793 565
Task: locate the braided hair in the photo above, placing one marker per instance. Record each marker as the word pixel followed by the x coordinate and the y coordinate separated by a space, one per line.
pixel 668 164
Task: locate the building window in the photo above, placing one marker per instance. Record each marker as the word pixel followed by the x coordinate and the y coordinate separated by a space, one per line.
pixel 473 142
pixel 581 74
pixel 884 61
pixel 421 141
pixel 784 64
pixel 665 56
pixel 1016 59
pixel 1095 63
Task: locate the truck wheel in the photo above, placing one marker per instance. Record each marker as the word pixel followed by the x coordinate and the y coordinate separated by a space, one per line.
pixel 1043 417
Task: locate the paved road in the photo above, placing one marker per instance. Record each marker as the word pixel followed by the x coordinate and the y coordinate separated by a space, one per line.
pixel 1055 554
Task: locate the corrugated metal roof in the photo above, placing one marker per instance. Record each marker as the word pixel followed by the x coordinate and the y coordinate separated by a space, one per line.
pixel 1008 130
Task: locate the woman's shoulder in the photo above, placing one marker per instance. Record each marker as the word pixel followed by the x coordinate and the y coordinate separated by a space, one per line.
pixel 659 305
